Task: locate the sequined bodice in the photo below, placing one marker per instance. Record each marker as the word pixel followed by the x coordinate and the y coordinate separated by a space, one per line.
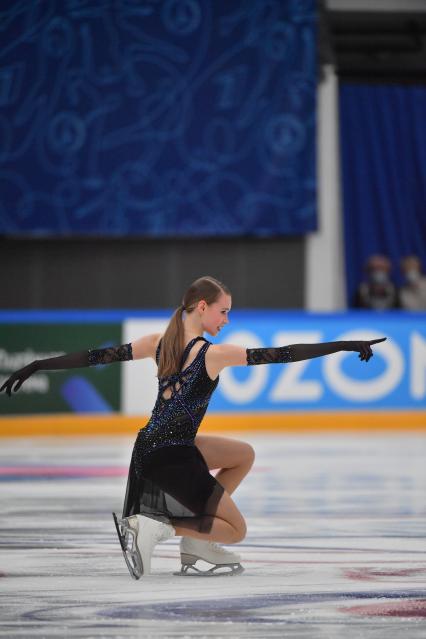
pixel 181 404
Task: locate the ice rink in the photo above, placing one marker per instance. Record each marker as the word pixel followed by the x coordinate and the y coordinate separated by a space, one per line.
pixel 336 544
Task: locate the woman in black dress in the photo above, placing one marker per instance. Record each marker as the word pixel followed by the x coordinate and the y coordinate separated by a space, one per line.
pixel 170 490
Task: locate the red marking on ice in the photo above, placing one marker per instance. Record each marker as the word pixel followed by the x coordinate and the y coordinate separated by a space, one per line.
pixel 63 471
pixel 373 574
pixel 405 608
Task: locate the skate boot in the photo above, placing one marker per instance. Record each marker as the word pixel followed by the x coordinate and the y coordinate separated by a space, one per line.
pixel 138 537
pixel 224 561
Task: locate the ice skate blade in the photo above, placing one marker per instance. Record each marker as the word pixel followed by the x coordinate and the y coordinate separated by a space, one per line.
pixel 218 570
pixel 130 553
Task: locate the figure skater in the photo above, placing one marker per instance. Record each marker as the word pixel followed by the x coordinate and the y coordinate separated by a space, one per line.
pixel 170 490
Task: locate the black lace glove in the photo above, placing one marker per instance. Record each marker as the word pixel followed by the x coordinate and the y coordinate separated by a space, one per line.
pixel 298 352
pixel 70 360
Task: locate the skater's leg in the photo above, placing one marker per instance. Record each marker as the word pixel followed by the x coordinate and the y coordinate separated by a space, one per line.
pixel 233 457
pixel 228 525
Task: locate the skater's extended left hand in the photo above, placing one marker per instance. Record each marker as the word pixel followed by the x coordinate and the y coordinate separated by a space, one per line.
pixel 363 348
pixel 19 377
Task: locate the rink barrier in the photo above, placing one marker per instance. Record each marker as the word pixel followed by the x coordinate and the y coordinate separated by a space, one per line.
pixel 395 380
pixel 116 425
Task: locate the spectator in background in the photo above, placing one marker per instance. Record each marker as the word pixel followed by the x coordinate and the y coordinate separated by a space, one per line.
pixel 412 295
pixel 378 292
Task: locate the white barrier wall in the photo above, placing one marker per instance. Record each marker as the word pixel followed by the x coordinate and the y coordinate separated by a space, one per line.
pixel 139 381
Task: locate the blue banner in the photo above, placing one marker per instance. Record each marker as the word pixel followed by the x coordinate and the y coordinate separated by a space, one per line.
pixel 394 378
pixel 166 118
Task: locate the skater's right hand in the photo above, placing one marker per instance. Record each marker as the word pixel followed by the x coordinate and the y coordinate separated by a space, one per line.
pixel 19 377
pixel 363 347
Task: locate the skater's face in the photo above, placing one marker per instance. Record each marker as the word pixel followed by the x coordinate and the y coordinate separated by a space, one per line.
pixel 214 316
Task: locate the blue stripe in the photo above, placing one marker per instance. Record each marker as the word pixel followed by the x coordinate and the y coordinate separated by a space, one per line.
pixel 119 315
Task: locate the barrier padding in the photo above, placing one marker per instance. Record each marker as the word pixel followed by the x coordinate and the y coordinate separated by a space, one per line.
pixel 117 424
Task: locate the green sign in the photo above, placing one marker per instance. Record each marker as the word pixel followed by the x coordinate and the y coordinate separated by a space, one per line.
pixel 95 389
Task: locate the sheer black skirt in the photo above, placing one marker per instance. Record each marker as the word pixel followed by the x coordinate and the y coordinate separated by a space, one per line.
pixel 173 484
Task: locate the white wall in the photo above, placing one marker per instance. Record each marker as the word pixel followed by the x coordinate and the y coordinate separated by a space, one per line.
pixel 324 265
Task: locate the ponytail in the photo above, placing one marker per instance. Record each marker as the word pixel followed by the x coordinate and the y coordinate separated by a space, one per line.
pixel 173 342
pixel 172 345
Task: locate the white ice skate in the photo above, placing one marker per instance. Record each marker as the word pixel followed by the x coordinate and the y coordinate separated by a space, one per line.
pixel 138 537
pixel 224 561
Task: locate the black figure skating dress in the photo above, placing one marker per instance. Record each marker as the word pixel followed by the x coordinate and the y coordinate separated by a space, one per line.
pixel 168 477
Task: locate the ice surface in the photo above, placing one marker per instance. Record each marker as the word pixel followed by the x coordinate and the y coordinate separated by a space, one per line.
pixel 336 544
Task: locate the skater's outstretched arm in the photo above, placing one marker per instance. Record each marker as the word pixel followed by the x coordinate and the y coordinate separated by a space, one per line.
pixel 298 352
pixel 222 355
pixel 80 359
pixel 144 347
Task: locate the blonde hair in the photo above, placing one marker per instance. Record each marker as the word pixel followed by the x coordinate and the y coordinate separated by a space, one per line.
pixel 172 344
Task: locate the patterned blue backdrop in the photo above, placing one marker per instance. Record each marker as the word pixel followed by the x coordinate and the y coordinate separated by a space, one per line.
pixel 157 117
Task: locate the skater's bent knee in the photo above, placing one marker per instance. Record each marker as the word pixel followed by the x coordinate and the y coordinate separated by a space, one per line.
pixel 239 536
pixel 250 454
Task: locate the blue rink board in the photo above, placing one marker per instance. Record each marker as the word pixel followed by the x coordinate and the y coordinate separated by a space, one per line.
pixel 394 378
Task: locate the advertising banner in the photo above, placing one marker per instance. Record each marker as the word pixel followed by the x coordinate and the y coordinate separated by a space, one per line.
pixel 394 378
pixel 83 390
